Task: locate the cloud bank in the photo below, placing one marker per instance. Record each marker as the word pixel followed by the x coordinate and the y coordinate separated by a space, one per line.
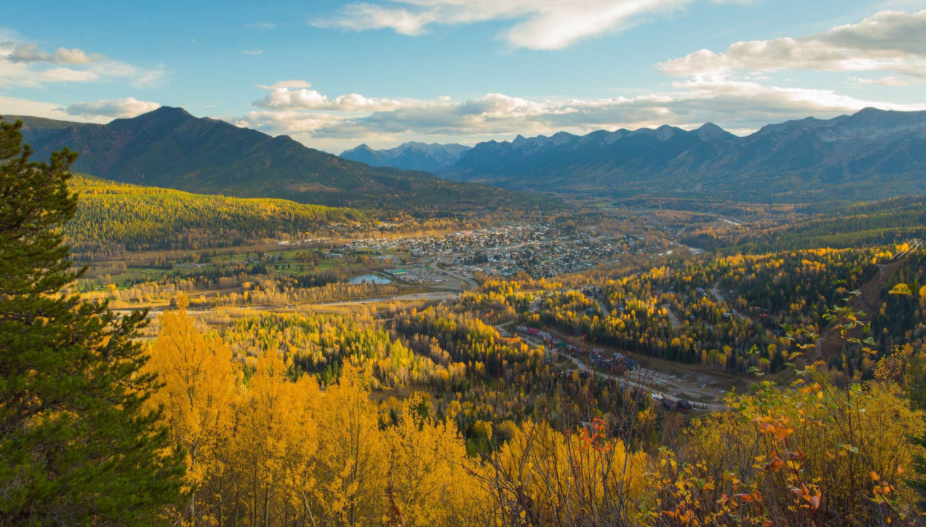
pixel 114 109
pixel 27 65
pixel 738 105
pixel 887 41
pixel 730 88
pixel 535 24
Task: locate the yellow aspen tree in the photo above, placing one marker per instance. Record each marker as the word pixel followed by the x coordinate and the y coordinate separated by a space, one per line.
pixel 351 461
pixel 274 442
pixel 433 480
pixel 571 478
pixel 199 385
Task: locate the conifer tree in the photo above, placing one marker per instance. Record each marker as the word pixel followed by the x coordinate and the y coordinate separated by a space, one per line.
pixel 77 446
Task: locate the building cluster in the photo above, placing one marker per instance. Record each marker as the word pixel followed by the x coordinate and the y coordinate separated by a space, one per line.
pixel 262 258
pixel 541 250
pixel 616 362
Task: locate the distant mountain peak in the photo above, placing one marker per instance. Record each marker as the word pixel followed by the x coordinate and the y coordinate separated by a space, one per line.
pixel 710 132
pixel 413 155
pixel 170 148
pixel 362 147
pixel 165 115
pixel 872 154
pixel 665 132
pixel 167 110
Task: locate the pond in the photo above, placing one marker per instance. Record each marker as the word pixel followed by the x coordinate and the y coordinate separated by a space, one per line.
pixel 370 279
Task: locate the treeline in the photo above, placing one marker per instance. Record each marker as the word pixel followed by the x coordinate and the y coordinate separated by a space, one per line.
pixel 857 225
pixel 837 225
pixel 117 216
pixel 242 290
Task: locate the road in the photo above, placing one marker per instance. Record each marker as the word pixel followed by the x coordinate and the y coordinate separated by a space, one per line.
pixel 430 295
pixel 468 281
pixel 722 298
pixel 155 311
pixel 581 366
pixel 672 318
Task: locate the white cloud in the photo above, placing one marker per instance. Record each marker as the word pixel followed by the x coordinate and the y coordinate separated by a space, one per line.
pixel 888 31
pixel 285 84
pixel 736 105
pixel 26 65
pixel 15 106
pixel 286 122
pixel 67 75
pixel 732 89
pixel 118 108
pixel 536 24
pixel 887 41
pixel 29 52
pixel 282 98
pixel 74 56
pixel 894 82
pixel 253 51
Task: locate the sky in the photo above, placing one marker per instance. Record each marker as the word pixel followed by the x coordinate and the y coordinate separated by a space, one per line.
pixel 335 74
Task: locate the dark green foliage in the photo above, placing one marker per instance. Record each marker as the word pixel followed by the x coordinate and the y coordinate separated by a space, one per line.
pixel 858 225
pixel 77 446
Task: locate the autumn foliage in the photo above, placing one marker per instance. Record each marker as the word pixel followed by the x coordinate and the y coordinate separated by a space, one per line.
pixel 272 448
pixel 267 444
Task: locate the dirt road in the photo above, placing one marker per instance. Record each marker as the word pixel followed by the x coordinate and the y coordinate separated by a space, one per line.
pixel 647 379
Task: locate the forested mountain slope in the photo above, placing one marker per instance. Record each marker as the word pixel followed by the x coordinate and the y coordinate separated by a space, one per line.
pixel 117 216
pixel 859 225
pixel 873 154
pixel 171 148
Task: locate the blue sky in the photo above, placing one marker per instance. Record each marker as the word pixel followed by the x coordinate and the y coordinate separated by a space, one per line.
pixel 336 74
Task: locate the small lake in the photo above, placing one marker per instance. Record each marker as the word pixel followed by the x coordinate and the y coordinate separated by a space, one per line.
pixel 370 279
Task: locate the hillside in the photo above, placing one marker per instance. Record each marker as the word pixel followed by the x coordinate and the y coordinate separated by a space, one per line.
pixel 409 156
pixel 172 149
pixel 115 216
pixel 858 225
pixel 873 154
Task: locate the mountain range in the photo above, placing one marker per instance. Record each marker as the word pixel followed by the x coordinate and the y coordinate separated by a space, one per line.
pixel 409 156
pixel 170 148
pixel 872 154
